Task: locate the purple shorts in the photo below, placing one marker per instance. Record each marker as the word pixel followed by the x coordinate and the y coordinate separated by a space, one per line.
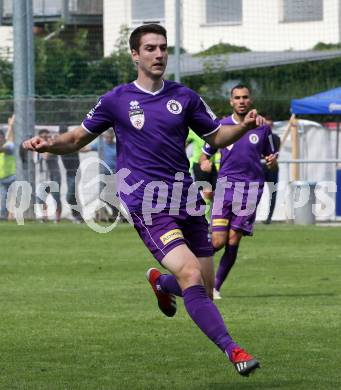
pixel 238 209
pixel 168 231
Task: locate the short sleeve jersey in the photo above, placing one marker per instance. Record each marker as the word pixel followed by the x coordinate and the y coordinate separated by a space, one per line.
pixel 241 161
pixel 151 131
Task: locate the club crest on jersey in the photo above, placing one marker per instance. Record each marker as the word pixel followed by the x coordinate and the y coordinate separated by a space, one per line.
pixel 174 107
pixel 136 114
pixel 254 139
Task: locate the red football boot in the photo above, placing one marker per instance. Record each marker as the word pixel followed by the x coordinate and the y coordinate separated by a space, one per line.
pixel 166 302
pixel 243 362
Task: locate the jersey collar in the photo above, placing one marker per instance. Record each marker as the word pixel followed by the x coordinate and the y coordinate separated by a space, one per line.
pixel 234 120
pixel 149 92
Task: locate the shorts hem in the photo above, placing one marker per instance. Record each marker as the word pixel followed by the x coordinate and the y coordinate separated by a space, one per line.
pixel 168 248
pixel 245 231
pixel 220 228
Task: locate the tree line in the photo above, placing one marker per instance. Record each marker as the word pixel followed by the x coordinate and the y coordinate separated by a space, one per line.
pixel 64 69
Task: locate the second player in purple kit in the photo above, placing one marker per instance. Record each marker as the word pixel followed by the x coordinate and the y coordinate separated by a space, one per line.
pixel 151 118
pixel 240 183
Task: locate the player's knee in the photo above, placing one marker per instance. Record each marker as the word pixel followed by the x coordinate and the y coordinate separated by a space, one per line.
pixel 235 237
pixel 190 274
pixel 218 242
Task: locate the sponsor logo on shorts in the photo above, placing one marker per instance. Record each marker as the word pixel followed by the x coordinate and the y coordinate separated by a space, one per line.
pixel 174 107
pixel 220 222
pixel 170 236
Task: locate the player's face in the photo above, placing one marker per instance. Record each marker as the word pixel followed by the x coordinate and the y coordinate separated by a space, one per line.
pixel 241 101
pixel 152 55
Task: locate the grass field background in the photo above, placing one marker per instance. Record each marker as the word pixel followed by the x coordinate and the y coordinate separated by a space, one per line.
pixel 77 313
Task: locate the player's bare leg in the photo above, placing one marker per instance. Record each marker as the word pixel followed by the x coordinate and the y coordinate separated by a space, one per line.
pixel 235 236
pixel 219 240
pixel 207 272
pixel 230 239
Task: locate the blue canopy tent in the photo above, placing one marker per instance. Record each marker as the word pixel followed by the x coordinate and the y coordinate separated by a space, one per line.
pixel 324 103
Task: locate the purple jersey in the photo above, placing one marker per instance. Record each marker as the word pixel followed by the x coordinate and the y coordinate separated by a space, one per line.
pixel 241 161
pixel 151 131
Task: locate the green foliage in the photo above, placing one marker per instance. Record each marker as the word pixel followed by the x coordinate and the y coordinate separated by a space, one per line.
pixel 63 68
pixel 327 46
pixel 222 48
pixel 214 77
pixel 6 90
pixel 113 70
pixel 273 87
pixel 6 78
pixel 171 50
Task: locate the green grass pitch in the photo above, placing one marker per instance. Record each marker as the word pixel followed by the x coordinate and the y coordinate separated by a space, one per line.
pixel 77 313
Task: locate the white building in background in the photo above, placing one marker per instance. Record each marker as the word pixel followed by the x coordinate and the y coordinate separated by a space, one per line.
pixel 6 42
pixel 260 25
pixel 74 15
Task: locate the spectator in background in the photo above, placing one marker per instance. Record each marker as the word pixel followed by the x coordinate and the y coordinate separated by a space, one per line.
pixel 49 173
pixel 271 175
pixel 106 148
pixel 106 151
pixel 209 176
pixel 71 164
pixel 7 166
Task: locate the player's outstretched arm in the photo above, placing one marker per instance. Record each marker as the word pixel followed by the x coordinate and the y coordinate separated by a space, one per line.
pixel 228 134
pixel 68 142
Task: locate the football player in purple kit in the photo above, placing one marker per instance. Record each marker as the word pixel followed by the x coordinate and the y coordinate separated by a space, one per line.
pixel 151 117
pixel 234 208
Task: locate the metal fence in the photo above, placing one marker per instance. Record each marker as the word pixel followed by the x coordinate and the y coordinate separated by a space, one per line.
pixel 273 46
pixel 317 166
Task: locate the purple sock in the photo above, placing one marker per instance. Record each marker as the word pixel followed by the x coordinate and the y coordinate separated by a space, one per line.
pixel 206 315
pixel 169 284
pixel 226 263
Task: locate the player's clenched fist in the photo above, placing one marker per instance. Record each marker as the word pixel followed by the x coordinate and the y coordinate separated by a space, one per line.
pixel 36 144
pixel 253 119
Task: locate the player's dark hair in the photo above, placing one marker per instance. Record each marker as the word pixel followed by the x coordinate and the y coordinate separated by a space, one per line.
pixel 42 131
pixel 135 36
pixel 2 133
pixel 241 86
